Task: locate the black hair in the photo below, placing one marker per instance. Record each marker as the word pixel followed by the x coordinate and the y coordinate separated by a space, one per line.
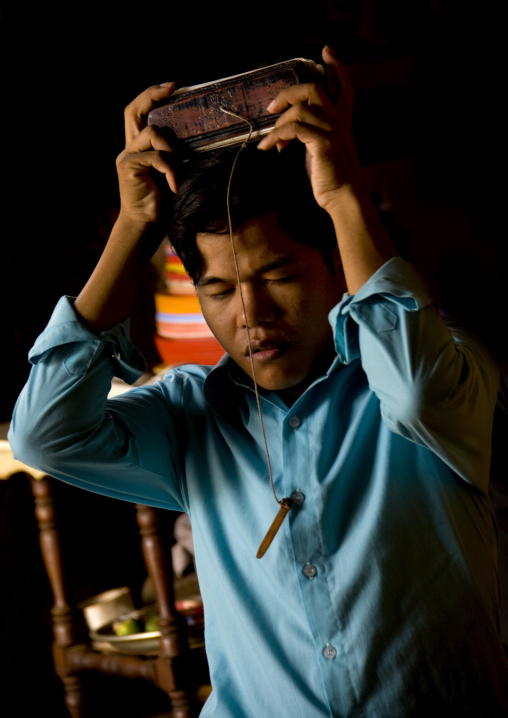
pixel 263 181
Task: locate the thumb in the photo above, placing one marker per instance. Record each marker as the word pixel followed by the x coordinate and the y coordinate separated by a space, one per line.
pixel 341 89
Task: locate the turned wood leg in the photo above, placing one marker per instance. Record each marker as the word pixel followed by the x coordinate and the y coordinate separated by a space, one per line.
pixel 173 642
pixel 63 617
pixel 73 695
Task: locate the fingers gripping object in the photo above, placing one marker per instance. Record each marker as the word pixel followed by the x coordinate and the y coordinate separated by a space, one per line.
pixel 195 115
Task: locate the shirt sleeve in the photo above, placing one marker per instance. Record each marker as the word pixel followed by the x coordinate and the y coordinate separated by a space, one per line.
pixel 65 330
pixel 64 424
pixel 436 383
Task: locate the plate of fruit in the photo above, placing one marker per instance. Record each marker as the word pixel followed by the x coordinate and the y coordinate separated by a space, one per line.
pixel 139 631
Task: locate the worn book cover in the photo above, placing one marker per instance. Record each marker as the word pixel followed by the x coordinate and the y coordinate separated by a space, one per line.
pixel 211 115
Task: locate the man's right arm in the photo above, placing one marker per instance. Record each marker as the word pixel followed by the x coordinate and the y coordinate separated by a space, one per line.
pixel 61 422
pixel 109 294
pixel 64 423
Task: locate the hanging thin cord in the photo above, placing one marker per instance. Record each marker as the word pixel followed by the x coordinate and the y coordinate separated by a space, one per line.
pixel 244 144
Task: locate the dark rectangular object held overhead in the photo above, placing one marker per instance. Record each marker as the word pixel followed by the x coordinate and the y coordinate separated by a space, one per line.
pixel 198 115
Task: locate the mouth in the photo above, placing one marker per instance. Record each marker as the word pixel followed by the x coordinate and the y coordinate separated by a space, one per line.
pixel 266 351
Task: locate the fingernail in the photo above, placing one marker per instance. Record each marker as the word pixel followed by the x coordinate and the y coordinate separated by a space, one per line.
pixel 270 106
pixel 166 84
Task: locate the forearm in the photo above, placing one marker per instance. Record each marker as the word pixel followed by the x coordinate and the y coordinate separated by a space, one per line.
pixel 108 296
pixel 364 244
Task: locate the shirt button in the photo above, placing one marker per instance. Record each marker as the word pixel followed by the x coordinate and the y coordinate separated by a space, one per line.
pixel 309 570
pixel 329 652
pixel 298 497
pixel 294 422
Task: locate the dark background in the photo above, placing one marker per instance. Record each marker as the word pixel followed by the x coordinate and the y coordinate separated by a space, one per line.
pixel 68 71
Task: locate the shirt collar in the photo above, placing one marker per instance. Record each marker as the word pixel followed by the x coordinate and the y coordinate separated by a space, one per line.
pixel 226 385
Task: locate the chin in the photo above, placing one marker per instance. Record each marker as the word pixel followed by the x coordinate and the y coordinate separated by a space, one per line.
pixel 276 377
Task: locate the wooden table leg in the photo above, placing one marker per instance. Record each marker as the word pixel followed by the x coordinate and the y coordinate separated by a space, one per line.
pixel 171 663
pixel 63 616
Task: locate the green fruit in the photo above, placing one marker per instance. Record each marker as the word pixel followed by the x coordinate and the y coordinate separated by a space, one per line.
pixel 152 624
pixel 127 627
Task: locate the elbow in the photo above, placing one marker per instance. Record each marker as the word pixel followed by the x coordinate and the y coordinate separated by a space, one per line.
pixel 25 445
pixel 29 436
pixel 22 449
pixel 408 411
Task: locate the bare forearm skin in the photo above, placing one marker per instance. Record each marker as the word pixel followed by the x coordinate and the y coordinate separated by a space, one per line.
pixel 364 244
pixel 108 296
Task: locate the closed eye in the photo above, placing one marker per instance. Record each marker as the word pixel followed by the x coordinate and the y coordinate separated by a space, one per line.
pixel 280 280
pixel 222 295
pixel 267 281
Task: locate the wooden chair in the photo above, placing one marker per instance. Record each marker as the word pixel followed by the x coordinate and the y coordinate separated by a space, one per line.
pixel 172 670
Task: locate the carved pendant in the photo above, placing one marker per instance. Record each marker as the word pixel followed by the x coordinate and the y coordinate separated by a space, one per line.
pixel 285 506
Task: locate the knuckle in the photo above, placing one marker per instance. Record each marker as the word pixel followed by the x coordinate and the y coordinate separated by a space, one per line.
pixel 300 113
pixel 151 132
pixel 121 158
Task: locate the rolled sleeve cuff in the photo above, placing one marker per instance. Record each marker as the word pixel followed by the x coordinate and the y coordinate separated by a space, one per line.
pixel 65 329
pixel 398 283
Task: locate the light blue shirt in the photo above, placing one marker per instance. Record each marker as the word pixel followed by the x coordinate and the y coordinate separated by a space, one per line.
pixel 378 597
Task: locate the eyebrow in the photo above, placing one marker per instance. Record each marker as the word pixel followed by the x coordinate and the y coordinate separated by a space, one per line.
pixel 270 266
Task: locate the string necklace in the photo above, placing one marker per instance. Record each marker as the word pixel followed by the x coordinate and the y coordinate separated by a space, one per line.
pixel 286 503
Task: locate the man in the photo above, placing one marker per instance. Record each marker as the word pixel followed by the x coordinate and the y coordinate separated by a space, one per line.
pixel 378 594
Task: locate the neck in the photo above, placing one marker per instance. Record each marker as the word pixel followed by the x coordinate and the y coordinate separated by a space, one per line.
pixel 322 365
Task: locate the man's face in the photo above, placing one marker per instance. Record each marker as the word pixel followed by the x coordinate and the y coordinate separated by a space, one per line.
pixel 287 290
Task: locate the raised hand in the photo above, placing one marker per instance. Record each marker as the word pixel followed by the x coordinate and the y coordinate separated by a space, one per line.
pixel 147 152
pixel 322 121
pixel 144 167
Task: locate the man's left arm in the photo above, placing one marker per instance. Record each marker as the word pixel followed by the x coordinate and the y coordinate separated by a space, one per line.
pixel 437 385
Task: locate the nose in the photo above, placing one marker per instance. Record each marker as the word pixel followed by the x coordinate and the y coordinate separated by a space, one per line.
pixel 257 308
